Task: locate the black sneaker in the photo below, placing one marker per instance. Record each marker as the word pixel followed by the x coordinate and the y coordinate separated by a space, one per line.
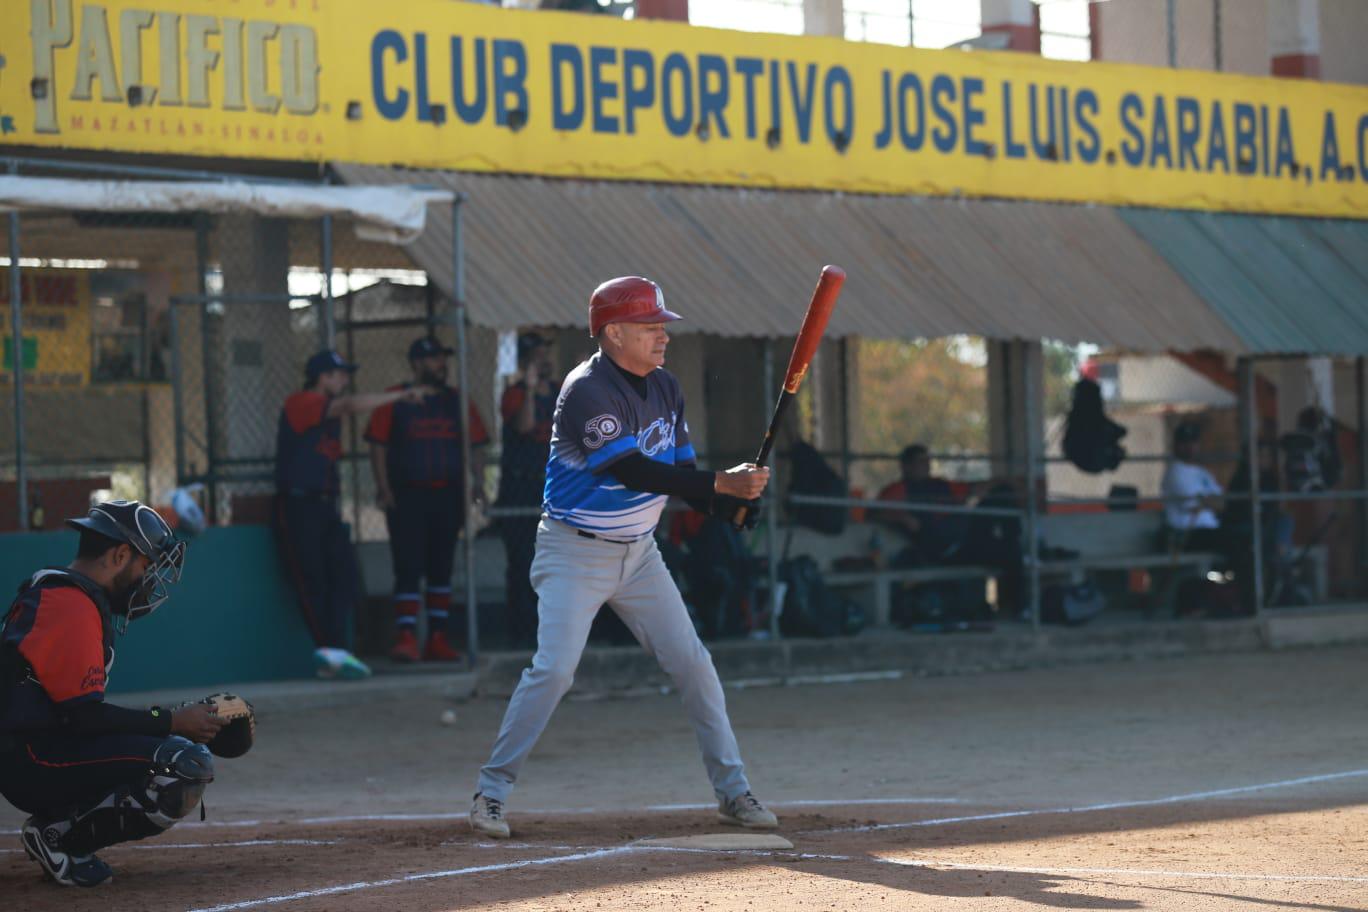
pixel 41 841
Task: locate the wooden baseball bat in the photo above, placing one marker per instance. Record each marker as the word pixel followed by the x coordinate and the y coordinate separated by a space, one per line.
pixel 804 347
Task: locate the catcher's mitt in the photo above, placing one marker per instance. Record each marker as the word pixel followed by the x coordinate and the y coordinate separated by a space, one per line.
pixel 236 737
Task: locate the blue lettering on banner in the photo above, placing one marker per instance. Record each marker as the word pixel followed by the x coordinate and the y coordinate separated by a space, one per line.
pixel 946 134
pixel 841 133
pixel 1216 141
pixel 509 82
pixel 471 112
pixel 802 103
pixel 1159 135
pixel 1246 142
pixel 563 57
pixel 420 82
pixel 712 100
pixel 1363 147
pixel 1330 157
pixel 1133 148
pixel 749 68
pixel 636 94
pixel 1189 131
pixel 390 107
pixel 973 117
pixel 1042 143
pixel 680 121
pixel 601 89
pixel 1287 155
pixel 1085 108
pixel 1013 148
pixel 910 82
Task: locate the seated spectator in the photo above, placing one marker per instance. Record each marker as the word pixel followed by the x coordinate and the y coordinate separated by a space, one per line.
pixel 1192 496
pixel 932 537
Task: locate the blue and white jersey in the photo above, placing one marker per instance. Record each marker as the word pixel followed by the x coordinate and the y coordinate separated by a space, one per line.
pixel 599 420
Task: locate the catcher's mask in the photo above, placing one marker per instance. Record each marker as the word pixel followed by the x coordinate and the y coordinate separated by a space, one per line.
pixel 139 527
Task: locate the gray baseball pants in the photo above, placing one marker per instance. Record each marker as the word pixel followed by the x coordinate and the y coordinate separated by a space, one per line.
pixel 574 577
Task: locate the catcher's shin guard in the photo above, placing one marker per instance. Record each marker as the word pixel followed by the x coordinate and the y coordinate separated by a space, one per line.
pixel 181 772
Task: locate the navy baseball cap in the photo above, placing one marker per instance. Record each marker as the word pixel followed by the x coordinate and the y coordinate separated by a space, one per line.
pixel 531 341
pixel 325 361
pixel 427 347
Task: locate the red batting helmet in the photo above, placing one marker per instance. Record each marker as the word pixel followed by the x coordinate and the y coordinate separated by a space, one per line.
pixel 627 299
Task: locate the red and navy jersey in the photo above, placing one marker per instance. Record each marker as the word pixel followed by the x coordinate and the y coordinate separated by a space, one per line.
pixel 424 438
pixel 56 649
pixel 308 445
pixel 522 464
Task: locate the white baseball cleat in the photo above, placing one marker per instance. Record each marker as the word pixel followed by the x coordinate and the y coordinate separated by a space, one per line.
pixel 486 816
pixel 747 811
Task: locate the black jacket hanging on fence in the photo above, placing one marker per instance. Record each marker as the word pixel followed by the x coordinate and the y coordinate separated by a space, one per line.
pixel 1092 440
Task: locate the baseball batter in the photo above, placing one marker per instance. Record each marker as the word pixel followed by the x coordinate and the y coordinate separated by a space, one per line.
pixel 619 449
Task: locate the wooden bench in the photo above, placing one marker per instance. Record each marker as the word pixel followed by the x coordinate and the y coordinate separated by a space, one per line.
pixel 1120 541
pixel 876 582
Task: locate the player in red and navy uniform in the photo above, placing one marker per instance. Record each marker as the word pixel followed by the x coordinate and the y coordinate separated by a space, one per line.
pixel 313 538
pixel 420 477
pixel 527 407
pixel 93 774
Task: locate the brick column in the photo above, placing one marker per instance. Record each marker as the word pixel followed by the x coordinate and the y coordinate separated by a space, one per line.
pixel 1294 38
pixel 1019 20
pixel 676 10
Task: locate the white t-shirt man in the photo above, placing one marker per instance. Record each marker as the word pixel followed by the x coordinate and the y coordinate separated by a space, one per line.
pixel 1184 483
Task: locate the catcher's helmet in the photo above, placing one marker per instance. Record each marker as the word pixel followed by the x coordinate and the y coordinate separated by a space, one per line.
pixel 627 299
pixel 139 527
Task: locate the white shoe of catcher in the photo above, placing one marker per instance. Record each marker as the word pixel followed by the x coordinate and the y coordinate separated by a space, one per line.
pixel 747 811
pixel 486 816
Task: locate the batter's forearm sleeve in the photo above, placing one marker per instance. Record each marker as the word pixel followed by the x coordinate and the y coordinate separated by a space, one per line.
pixel 640 473
pixel 97 717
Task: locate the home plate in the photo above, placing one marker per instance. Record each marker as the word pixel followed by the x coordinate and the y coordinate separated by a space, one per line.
pixel 720 841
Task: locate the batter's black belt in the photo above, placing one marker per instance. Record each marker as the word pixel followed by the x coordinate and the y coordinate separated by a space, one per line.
pixel 612 541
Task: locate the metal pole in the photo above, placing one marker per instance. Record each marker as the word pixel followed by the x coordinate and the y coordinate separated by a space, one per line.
pixel 177 405
pixel 1034 430
pixel 1249 392
pixel 1361 386
pixel 1172 34
pixel 772 527
pixel 17 366
pixel 206 365
pixel 328 323
pixel 1217 44
pixel 468 539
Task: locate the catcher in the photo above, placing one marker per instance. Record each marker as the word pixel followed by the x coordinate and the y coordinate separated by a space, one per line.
pixel 93 774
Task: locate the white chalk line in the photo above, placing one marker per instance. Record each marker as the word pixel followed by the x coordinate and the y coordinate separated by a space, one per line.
pixel 1120 872
pixel 557 812
pixel 413 878
pixel 1108 806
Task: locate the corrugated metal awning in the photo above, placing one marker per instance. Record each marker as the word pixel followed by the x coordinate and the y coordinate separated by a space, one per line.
pixel 1284 285
pixel 742 262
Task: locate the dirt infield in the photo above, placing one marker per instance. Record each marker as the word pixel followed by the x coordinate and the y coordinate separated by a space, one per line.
pixel 1204 784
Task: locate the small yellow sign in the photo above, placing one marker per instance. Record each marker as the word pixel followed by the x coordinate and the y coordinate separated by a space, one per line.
pixel 55 345
pixel 432 83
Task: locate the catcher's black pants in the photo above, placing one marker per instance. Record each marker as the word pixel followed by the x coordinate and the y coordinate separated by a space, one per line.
pixel 57 774
pixel 318 556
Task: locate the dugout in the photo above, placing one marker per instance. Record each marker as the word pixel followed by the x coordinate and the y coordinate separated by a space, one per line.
pixel 240 297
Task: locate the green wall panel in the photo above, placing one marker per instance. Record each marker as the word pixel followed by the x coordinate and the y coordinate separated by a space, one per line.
pixel 231 618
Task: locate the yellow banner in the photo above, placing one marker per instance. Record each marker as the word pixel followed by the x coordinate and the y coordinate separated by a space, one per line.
pixel 433 83
pixel 56 330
